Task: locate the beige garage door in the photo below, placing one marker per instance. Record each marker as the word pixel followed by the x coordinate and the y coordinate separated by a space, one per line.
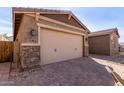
pixel 58 46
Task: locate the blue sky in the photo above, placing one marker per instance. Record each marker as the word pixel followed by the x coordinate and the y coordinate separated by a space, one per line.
pixel 6 21
pixel 94 18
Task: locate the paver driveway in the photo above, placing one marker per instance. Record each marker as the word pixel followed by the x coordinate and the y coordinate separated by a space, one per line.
pixel 75 72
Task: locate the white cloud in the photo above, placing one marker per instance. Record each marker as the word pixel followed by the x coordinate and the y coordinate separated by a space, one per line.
pixel 5 22
pixel 5 27
pixel 7 30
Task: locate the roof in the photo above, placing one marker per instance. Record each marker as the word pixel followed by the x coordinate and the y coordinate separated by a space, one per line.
pixel 43 11
pixel 104 32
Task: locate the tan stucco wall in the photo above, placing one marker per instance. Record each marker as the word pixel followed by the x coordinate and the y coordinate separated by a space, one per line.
pixel 30 23
pixel 99 44
pixel 58 46
pixel 18 41
pixel 24 35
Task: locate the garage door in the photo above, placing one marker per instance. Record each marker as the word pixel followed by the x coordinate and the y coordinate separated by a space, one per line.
pixel 58 46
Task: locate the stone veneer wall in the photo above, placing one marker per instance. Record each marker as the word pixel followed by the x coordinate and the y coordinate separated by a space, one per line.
pixel 30 56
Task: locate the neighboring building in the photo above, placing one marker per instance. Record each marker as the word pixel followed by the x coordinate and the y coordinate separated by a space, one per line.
pixel 104 42
pixel 10 38
pixel 44 36
pixel 121 47
pixel 2 38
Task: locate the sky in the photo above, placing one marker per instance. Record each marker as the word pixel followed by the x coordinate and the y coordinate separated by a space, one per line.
pixel 6 21
pixel 94 18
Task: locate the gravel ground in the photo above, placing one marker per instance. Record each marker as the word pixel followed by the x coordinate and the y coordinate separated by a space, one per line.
pixel 4 70
pixel 116 62
pixel 76 72
pixel 4 74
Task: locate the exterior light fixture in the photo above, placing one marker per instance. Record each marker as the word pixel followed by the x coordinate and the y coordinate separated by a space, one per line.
pixel 33 32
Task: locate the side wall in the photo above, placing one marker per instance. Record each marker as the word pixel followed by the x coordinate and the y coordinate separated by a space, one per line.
pixel 17 42
pixel 99 45
pixel 24 54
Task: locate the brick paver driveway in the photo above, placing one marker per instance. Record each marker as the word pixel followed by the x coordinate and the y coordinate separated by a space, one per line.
pixel 76 72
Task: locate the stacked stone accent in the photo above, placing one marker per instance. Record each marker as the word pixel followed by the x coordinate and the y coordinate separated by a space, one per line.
pixel 30 56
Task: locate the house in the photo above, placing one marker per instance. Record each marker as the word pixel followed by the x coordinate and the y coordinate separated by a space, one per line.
pixel 43 36
pixel 10 38
pixel 121 47
pixel 104 42
pixel 2 38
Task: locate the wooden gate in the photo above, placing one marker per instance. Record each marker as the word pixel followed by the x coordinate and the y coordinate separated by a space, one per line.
pixel 6 51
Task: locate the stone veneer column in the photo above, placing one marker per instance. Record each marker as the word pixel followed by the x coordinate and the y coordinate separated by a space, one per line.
pixel 30 56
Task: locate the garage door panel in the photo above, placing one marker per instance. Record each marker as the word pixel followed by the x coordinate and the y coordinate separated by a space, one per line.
pixel 58 46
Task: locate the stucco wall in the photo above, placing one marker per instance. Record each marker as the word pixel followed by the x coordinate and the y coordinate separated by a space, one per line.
pixel 99 45
pixel 24 36
pixel 18 41
pixel 30 24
